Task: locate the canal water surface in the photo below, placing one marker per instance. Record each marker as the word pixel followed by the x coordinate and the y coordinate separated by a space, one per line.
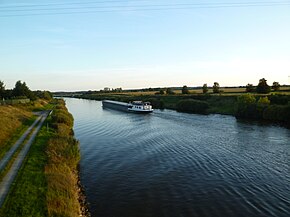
pixel 169 164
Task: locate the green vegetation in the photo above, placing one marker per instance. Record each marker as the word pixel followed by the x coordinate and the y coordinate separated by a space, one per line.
pixel 185 90
pixel 170 91
pixel 12 122
pixel 276 86
pixel 216 87
pixel 263 108
pixel 61 168
pixel 242 102
pixel 27 197
pixel 47 184
pixel 263 87
pixel 192 106
pixel 204 88
pixel 22 91
pixel 250 88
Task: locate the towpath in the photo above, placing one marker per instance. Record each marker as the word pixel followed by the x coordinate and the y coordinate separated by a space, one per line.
pixel 12 173
pixel 7 157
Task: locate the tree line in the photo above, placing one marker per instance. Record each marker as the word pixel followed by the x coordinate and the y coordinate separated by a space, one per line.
pixel 262 88
pixel 22 91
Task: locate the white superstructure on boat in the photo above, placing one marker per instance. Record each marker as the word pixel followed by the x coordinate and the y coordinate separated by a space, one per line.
pixel 139 106
pixel 135 106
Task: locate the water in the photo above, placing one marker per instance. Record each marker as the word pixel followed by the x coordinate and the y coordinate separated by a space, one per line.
pixel 170 164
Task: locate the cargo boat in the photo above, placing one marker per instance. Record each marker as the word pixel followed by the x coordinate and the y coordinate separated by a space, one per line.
pixel 135 106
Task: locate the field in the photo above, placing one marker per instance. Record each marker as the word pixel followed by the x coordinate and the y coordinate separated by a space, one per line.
pixel 223 91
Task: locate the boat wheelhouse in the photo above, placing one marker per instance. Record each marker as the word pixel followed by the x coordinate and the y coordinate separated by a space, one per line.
pixel 139 106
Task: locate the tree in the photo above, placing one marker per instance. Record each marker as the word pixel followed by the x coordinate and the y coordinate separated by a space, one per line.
pixel 204 88
pixel 264 101
pixel 216 87
pixel 169 91
pixel 161 92
pixel 263 87
pixel 247 107
pixel 185 90
pixel 21 90
pixel 2 90
pixel 250 88
pixel 246 99
pixel 276 86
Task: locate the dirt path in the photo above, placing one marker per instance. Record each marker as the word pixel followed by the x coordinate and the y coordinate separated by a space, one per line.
pixel 12 173
pixel 8 155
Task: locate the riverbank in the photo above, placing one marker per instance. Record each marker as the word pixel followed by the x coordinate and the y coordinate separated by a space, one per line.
pixel 273 107
pixel 65 196
pixel 48 183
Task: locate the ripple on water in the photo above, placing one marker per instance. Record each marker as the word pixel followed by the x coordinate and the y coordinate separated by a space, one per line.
pixel 174 164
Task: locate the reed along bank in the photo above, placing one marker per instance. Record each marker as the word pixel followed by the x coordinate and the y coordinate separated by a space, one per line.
pixel 48 183
pixel 64 193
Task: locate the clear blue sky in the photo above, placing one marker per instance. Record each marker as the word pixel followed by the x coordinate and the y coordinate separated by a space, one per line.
pixel 142 48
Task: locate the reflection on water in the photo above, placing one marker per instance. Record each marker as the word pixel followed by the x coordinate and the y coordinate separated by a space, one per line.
pixel 174 164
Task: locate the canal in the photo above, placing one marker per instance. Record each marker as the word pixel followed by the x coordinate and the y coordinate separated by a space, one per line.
pixel 169 164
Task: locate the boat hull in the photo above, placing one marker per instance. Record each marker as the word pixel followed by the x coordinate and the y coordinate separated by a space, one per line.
pixel 140 111
pixel 115 105
pixel 121 106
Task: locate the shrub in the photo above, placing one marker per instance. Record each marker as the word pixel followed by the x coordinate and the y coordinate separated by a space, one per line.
pixel 277 113
pixel 192 106
pixel 156 103
pixel 279 99
pixel 264 101
pixel 246 99
pixel 247 107
pixel 62 117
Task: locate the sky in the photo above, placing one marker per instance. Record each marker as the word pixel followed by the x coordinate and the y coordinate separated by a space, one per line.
pixel 118 43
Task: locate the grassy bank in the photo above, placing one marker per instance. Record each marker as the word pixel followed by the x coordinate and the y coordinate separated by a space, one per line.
pixel 12 119
pixel 27 197
pixel 47 184
pixel 223 103
pixel 61 169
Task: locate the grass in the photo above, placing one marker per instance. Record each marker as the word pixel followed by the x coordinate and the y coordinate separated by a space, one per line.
pixel 61 169
pixel 15 136
pixel 11 161
pixel 27 196
pixel 11 118
pixel 47 182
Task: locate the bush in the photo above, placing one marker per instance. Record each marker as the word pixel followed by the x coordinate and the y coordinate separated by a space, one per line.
pixel 62 117
pixel 279 99
pixel 277 113
pixel 192 106
pixel 247 107
pixel 264 101
pixel 156 103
